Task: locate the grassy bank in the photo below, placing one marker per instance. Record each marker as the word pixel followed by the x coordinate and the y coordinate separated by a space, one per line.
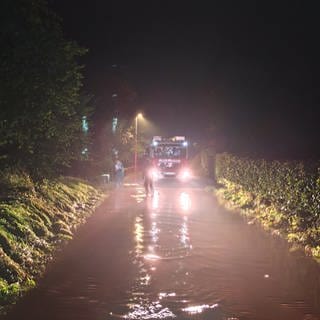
pixel 35 219
pixel 283 197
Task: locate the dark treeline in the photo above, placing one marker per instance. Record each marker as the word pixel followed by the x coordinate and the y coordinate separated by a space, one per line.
pixel 42 102
pixel 40 80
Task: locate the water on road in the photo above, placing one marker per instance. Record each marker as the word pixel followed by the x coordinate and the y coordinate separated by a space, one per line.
pixel 176 255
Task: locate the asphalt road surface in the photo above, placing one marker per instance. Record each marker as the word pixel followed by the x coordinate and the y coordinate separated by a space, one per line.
pixel 178 254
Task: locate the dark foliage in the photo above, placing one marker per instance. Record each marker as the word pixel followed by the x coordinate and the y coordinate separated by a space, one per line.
pixel 292 187
pixel 40 80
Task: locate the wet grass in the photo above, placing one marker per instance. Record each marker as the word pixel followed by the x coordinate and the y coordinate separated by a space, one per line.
pixel 258 210
pixel 35 220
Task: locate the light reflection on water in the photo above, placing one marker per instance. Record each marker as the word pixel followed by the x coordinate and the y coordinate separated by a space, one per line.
pixel 172 283
pixel 142 306
pixel 155 200
pixel 139 196
pixel 184 234
pixel 148 310
pixel 185 201
pixel 151 231
pixel 187 260
pixel 199 309
pixel 150 256
pixel 139 236
pixel 154 232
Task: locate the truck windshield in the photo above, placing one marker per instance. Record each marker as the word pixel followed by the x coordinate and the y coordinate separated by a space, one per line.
pixel 169 152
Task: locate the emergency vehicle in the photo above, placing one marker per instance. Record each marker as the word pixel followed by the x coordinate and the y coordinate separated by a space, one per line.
pixel 170 157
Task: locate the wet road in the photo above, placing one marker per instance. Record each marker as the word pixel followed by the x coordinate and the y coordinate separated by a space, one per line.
pixel 176 255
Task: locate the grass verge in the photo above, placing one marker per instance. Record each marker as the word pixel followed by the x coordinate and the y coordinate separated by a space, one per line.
pixel 36 219
pixel 263 212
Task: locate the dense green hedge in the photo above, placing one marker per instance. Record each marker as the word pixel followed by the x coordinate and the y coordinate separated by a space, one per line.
pixel 293 188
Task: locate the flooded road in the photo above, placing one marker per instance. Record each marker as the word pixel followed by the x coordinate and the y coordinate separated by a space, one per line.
pixel 175 255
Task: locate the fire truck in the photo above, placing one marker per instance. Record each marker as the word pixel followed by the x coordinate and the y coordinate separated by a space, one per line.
pixel 170 157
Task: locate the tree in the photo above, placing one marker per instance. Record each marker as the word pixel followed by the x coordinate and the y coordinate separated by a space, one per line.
pixel 40 81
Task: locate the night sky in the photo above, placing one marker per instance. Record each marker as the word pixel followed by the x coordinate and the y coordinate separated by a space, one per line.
pixel 245 74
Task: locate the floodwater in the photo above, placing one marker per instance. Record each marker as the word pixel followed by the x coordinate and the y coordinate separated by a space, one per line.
pixel 176 255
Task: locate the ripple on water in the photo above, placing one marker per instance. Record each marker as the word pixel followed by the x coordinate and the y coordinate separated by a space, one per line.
pixel 199 308
pixel 144 308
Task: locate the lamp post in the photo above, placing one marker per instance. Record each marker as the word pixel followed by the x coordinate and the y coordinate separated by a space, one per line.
pixel 139 115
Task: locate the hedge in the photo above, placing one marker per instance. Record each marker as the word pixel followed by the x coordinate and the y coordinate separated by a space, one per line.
pixel 292 187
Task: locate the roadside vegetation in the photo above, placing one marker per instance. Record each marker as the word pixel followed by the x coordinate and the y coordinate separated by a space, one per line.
pixel 50 130
pixel 41 106
pixel 35 220
pixel 42 140
pixel 282 196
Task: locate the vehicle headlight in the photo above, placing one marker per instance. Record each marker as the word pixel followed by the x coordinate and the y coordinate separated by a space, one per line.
pixel 185 174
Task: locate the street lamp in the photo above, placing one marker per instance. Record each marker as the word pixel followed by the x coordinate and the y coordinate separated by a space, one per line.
pixel 139 115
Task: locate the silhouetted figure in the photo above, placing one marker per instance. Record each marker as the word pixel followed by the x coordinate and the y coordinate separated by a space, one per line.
pixel 119 173
pixel 148 177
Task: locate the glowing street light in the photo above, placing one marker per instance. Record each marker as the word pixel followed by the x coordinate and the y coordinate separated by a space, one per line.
pixel 139 115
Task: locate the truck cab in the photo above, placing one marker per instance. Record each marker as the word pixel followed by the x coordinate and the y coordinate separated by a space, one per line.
pixel 169 156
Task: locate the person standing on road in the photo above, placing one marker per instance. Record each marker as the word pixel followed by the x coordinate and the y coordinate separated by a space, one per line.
pixel 148 177
pixel 119 173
